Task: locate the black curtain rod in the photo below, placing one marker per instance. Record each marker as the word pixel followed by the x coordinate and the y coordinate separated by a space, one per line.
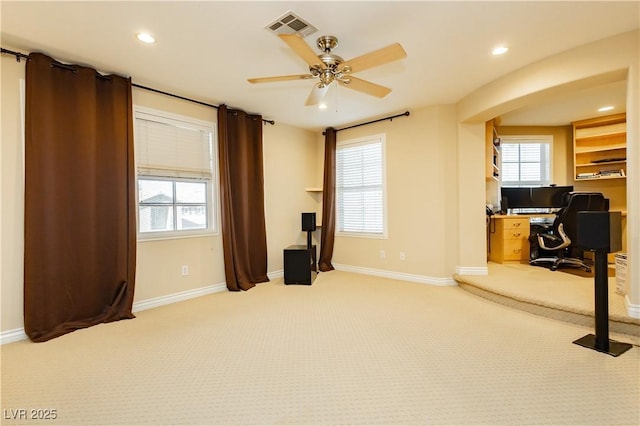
pixel 19 55
pixel 390 118
pixel 188 99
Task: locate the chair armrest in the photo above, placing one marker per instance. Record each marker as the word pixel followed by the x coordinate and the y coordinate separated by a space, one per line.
pixel 565 241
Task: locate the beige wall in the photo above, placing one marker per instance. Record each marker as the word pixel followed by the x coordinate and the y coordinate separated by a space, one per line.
pixel 11 221
pixel 290 164
pixel 421 188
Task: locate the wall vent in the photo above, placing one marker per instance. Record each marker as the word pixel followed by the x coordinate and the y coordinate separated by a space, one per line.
pixel 290 23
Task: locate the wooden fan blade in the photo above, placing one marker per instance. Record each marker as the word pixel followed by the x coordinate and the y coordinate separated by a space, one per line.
pixel 302 49
pixel 317 94
pixel 365 86
pixel 382 56
pixel 280 78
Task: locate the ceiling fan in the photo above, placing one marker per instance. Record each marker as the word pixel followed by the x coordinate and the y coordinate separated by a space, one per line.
pixel 328 67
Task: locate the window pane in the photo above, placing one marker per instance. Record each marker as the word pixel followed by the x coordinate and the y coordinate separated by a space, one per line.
pixel 509 153
pixel 191 192
pixel 155 191
pixel 510 172
pixel 530 172
pixel 156 218
pixel 192 217
pixel 530 152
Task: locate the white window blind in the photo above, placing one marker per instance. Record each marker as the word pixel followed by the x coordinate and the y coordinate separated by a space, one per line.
pixel 360 196
pixel 526 161
pixel 172 148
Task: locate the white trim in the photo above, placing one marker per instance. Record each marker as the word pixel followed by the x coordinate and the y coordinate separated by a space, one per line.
pixel 178 297
pixel 396 275
pixel 472 270
pixel 19 334
pixel 275 274
pixel 11 336
pixel 632 310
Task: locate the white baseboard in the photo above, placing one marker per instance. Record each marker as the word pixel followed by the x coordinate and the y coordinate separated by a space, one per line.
pixel 396 275
pixel 178 297
pixel 11 336
pixel 19 334
pixel 472 270
pixel 632 310
pixel 275 274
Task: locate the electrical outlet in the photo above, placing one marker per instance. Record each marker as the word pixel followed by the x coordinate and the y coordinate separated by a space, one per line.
pixel 185 270
pixel 402 256
pixel 382 254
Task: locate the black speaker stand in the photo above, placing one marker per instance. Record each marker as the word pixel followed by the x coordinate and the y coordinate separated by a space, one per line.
pixel 600 341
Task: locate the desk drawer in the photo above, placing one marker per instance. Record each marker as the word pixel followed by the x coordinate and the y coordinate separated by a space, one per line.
pixel 515 223
pixel 515 249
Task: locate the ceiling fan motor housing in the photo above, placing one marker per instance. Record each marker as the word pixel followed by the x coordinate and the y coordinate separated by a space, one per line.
pixel 330 71
pixel 327 42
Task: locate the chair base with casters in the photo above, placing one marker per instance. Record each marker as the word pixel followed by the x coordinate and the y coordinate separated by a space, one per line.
pixel 555 262
pixel 558 243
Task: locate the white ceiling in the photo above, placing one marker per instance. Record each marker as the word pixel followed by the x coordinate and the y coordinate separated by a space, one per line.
pixel 206 50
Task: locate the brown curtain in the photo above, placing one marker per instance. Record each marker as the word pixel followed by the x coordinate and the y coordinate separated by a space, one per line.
pixel 328 201
pixel 244 238
pixel 80 229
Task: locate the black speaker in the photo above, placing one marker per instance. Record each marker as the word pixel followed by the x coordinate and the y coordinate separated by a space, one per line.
pixel 308 222
pixel 599 231
pixel 299 265
pixel 504 205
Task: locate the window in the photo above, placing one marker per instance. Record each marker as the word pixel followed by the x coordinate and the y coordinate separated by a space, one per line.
pixel 360 187
pixel 176 175
pixel 526 160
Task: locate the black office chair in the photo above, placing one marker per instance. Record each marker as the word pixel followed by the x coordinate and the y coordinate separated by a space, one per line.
pixel 559 238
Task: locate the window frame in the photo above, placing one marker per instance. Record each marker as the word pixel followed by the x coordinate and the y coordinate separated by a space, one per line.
pixel 212 192
pixel 522 140
pixel 378 138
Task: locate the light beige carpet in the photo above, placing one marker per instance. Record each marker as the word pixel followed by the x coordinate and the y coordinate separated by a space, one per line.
pixel 350 349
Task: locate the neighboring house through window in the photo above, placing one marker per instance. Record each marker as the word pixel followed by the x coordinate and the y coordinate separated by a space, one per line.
pixel 361 187
pixel 176 175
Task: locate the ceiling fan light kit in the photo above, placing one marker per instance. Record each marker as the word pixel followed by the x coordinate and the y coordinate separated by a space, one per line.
pixel 328 67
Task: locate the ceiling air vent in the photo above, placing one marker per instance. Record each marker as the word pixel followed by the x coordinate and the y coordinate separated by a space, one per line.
pixel 290 23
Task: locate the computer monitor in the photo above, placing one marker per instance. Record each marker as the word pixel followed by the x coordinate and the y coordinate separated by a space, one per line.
pixel 515 198
pixel 537 197
pixel 549 196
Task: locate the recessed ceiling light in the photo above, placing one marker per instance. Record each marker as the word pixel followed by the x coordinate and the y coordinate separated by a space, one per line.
pixel 500 50
pixel 322 106
pixel 605 108
pixel 145 38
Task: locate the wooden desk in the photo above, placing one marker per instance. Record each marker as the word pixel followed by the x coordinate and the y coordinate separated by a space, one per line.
pixel 508 238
